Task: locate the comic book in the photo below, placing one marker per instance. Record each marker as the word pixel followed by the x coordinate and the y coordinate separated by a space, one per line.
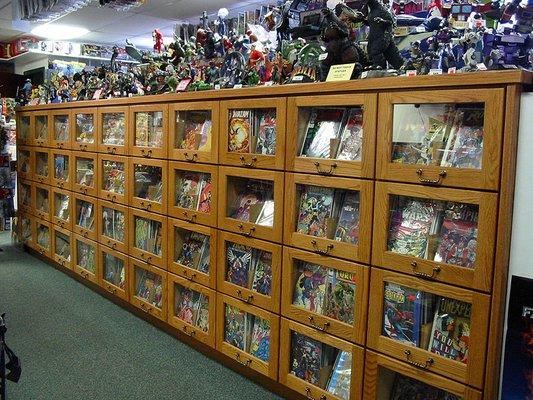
pixel 204 201
pixel 324 125
pixel 113 128
pixel 310 287
pixel 150 288
pixel 406 388
pixel 114 177
pixel 262 279
pixel 239 262
pixel 85 256
pixel 339 382
pixel 205 256
pixel 192 131
pixel 316 206
pixel 306 358
pixel 266 216
pixel 402 313
pixel 234 327
pixel 260 341
pixel 266 132
pixel 205 141
pixel 348 226
pixel 450 333
pixel 188 187
pixel 244 203
pixel 340 300
pixel 202 313
pixel 190 253
pixel 351 141
pixel 459 235
pixel 240 131
pixel 184 303
pixel 114 270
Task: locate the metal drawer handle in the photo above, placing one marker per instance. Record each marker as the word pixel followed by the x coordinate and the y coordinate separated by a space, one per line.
pixel 148 206
pixel 244 163
pixel 429 362
pixel 187 331
pixel 246 363
pixel 146 308
pixel 318 250
pixel 146 258
pixel 247 234
pixel 322 328
pixel 111 289
pixel 186 274
pixel 111 244
pixel 247 299
pixel 427 181
pixel 424 275
pixel 323 171
pixel 147 153
pixel 111 150
pixel 308 395
pixel 192 158
pixel 188 218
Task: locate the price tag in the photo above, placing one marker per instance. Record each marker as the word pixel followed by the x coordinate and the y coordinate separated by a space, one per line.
pixel 452 70
pixel 269 83
pixel 237 86
pixel 297 78
pixel 183 85
pixel 411 72
pixel 217 87
pixel 481 67
pixel 97 94
pixel 420 29
pixel 435 71
pixel 341 72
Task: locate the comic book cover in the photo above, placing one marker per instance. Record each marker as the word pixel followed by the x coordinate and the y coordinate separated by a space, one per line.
pixel 192 130
pixel 190 252
pixel 450 333
pixel 204 201
pixel 244 203
pixel 402 313
pixel 260 341
pixel 184 303
pixel 459 235
pixel 262 281
pixel 316 206
pixel 266 132
pixel 240 131
pixel 234 327
pixel 205 141
pixel 340 302
pixel 202 313
pixel 239 260
pixel 310 288
pixel 306 356
pixel 324 125
pixel 352 136
pixel 205 256
pixel 406 388
pixel 348 226
pixel 188 188
pixel 339 383
pixel 468 149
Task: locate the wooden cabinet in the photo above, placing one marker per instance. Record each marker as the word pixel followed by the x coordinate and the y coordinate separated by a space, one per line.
pixel 300 345
pixel 24 129
pixel 252 133
pixel 86 167
pixel 42 199
pixel 148 184
pixel 112 130
pixel 25 230
pixel 248 334
pixel 148 288
pixel 43 237
pixel 85 256
pixel 194 131
pixel 25 196
pixel 113 175
pixel 84 129
pixel 341 305
pixel 113 225
pixel 193 192
pixel 61 129
pixel 250 270
pixel 62 208
pixel 251 202
pixel 25 162
pixel 439 234
pixel 192 309
pixel 85 222
pixel 114 272
pixel 62 246
pixel 329 215
pixel 441 137
pixel 428 344
pixel 42 166
pixel 192 250
pixel 63 172
pixel 148 233
pixel 42 131
pixel 332 135
pixel 385 378
pixel 148 131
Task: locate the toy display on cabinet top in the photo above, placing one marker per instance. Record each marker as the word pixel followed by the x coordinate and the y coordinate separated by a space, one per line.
pixel 300 40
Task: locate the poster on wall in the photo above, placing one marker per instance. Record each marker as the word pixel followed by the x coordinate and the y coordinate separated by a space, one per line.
pixel 518 363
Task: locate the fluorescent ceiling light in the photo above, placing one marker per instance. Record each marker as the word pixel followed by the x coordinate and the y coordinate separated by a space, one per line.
pixel 59 32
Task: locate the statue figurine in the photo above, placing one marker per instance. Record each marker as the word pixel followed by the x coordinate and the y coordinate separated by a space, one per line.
pixel 159 47
pixel 114 64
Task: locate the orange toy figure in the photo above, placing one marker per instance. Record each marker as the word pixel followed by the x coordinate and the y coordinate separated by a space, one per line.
pixel 158 41
pixel 255 56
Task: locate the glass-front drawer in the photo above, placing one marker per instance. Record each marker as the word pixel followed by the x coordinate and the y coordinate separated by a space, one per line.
pixel 113 175
pixel 43 237
pixel 62 208
pixel 41 137
pixel 113 225
pixel 86 165
pixel 85 258
pixel 61 132
pixel 85 221
pixel 24 125
pixel 41 196
pixel 112 130
pixel 25 196
pixel 25 229
pixel 62 246
pixel 114 272
pixel 63 173
pixel 148 289
pixel 84 129
pixel 42 165
pixel 148 237
pixel 24 162
pixel 148 184
pixel 149 131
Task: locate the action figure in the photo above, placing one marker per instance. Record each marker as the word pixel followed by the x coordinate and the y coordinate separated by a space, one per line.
pixel 159 47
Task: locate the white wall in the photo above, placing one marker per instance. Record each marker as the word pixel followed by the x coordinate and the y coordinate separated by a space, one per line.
pixel 21 68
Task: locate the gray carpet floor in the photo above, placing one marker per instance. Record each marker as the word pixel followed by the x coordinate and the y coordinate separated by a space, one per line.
pixel 75 344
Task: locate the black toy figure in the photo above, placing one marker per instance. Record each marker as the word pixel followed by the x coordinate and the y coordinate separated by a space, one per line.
pixel 114 64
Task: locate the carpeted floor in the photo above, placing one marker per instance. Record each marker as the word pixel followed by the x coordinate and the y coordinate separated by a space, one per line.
pixel 74 344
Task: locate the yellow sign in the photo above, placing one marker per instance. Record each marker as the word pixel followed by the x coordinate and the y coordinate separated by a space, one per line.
pixel 341 72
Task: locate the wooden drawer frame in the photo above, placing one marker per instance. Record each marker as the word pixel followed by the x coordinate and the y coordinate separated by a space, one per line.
pixel 82 146
pixel 86 274
pixel 114 290
pixel 31 173
pixel 106 240
pixel 145 256
pixel 47 216
pixel 20 216
pixel 42 178
pixel 28 141
pixel 108 148
pixel 58 182
pixel 145 204
pixel 56 220
pixel 60 144
pixel 76 187
pixel 57 258
pixel 112 196
pixel 144 151
pixel 41 142
pixel 23 207
pixel 160 313
pixel 85 233
pixel 41 250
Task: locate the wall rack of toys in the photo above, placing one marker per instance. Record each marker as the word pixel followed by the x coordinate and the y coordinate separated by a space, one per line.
pixel 350 242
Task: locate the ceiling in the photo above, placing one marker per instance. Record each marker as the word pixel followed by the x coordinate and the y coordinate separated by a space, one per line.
pixel 113 27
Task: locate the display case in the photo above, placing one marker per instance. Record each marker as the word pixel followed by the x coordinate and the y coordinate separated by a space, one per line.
pixel 24 129
pixel 86 167
pixel 318 365
pixel 25 229
pixel 192 309
pixel 114 272
pixel 41 128
pixel 85 222
pixel 25 196
pixel 440 234
pixel 444 137
pixel 61 129
pixel 112 130
pixel 43 237
pixel 62 208
pixel 42 166
pixel 149 131
pixel 248 334
pixel 85 256
pixel 327 214
pixel 62 246
pixel 193 192
pixel 148 288
pixel 192 251
pixel 148 233
pixel 252 133
pixel 251 202
pixel 326 293
pixel 63 172
pixel 113 175
pixel 42 198
pixel 193 129
pixel 332 135
pixel 113 225
pixel 25 163
pixel 148 184
pixel 85 121
pixel 432 326
pixel 250 270
pixel 386 378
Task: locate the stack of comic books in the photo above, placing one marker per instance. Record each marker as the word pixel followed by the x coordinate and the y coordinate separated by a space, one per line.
pixel 405 388
pixel 61 203
pixel 195 131
pixel 113 177
pixel 148 182
pixel 43 236
pixel 192 307
pixel 62 245
pixel 193 191
pixel 41 201
pixel 149 287
pixel 85 172
pixel 61 167
pixel 86 255
pixel 113 128
pixel 148 235
pixel 252 131
pixel 114 223
pixel 114 271
pixel 194 251
pixel 254 203
pixel 248 267
pixel 85 214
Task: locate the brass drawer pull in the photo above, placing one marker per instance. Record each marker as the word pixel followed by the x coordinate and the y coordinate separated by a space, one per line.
pixel 147 206
pixel 247 234
pixel 83 189
pixel 246 363
pixel 247 299
pixel 146 153
pixel 111 150
pixel 188 218
pixel 111 289
pixel 187 331
pixel 427 181
pixel 429 362
pixel 244 163
pixel 318 250
pixel 146 258
pixel 111 244
pixel 322 328
pixel 192 158
pixel 308 395
pixel 323 171
pixel 186 274
pixel 146 308
pixel 424 275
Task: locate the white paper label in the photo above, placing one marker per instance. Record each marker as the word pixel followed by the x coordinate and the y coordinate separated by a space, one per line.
pixel 237 86
pixel 297 78
pixel 435 71
pixel 217 87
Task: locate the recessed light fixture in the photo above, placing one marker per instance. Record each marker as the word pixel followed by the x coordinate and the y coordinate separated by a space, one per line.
pixel 59 32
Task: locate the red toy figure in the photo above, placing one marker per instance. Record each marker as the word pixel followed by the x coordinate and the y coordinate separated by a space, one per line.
pixel 255 56
pixel 435 8
pixel 158 41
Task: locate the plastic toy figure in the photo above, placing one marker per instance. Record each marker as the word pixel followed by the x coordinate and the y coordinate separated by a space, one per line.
pixel 159 47
pixel 114 66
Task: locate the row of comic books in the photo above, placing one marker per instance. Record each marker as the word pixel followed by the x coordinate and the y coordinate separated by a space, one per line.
pixel 114 222
pixel 85 172
pixel 438 324
pixel 436 230
pixel 194 251
pixel 247 332
pixel 113 128
pixel 86 256
pixel 85 128
pixel 148 183
pixel 148 235
pixel 329 213
pixel 406 388
pixel 61 164
pixel 254 202
pixel 43 236
pixel 62 204
pixel 149 129
pixel 41 164
pixel 333 133
pixel 193 191
pixel 248 267
pixel 192 307
pixel 62 245
pixel 149 287
pixel 114 271
pixel 252 131
pixel 194 131
pixel 85 214
pixel 321 365
pixel 325 291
